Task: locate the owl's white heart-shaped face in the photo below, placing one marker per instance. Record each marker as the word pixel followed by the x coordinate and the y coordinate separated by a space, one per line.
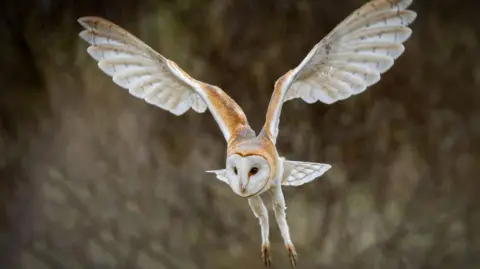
pixel 247 175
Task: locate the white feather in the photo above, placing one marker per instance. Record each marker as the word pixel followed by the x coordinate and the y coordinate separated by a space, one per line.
pixel 297 173
pixel 136 67
pixel 369 41
pixel 349 59
pixel 221 174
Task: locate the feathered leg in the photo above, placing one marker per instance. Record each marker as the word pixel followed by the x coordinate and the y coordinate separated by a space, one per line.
pixel 260 211
pixel 279 208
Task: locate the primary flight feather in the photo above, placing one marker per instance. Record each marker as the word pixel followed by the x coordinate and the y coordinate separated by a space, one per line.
pixel 352 57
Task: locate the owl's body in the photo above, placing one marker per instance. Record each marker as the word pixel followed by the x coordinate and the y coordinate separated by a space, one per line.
pixel 348 60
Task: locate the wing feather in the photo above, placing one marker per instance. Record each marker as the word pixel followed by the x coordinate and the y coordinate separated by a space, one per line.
pixel 352 57
pixel 148 75
pixel 296 173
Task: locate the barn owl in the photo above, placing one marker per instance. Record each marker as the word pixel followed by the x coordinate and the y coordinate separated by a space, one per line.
pixel 347 61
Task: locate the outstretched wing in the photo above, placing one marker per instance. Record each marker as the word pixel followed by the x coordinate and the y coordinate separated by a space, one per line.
pixel 221 174
pixel 348 60
pixel 297 173
pixel 146 74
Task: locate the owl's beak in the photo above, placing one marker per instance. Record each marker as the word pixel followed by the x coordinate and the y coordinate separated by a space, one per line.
pixel 243 184
pixel 243 189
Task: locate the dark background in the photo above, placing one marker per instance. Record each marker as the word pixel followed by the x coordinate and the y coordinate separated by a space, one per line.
pixel 92 177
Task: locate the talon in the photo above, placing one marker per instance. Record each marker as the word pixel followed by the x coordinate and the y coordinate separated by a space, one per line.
pixel 267 260
pixel 292 254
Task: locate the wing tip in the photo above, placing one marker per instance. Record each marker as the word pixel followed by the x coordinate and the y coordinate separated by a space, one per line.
pixel 388 65
pixel 413 15
pixel 408 34
pixel 93 52
pixel 87 21
pixel 215 171
pixel 82 21
pixel 326 167
pixel 95 22
pixel 407 3
pixel 85 35
pixel 104 66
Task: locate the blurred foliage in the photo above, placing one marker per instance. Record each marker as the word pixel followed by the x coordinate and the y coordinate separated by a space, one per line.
pixel 94 178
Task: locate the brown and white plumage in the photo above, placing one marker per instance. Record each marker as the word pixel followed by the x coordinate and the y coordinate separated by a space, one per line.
pixel 352 57
pixel 148 75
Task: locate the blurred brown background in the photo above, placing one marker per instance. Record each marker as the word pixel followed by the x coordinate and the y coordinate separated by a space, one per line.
pixel 92 177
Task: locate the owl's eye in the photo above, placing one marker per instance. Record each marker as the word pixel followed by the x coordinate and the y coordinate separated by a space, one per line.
pixel 235 170
pixel 253 171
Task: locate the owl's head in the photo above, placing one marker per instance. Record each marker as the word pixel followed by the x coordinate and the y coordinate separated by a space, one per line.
pixel 248 175
pixel 251 166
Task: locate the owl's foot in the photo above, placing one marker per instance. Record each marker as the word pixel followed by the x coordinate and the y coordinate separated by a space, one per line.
pixel 267 260
pixel 292 254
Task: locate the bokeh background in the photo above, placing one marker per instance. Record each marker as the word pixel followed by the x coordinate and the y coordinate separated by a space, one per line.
pixel 92 177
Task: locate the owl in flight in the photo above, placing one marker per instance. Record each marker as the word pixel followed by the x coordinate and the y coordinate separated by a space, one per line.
pixel 348 60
